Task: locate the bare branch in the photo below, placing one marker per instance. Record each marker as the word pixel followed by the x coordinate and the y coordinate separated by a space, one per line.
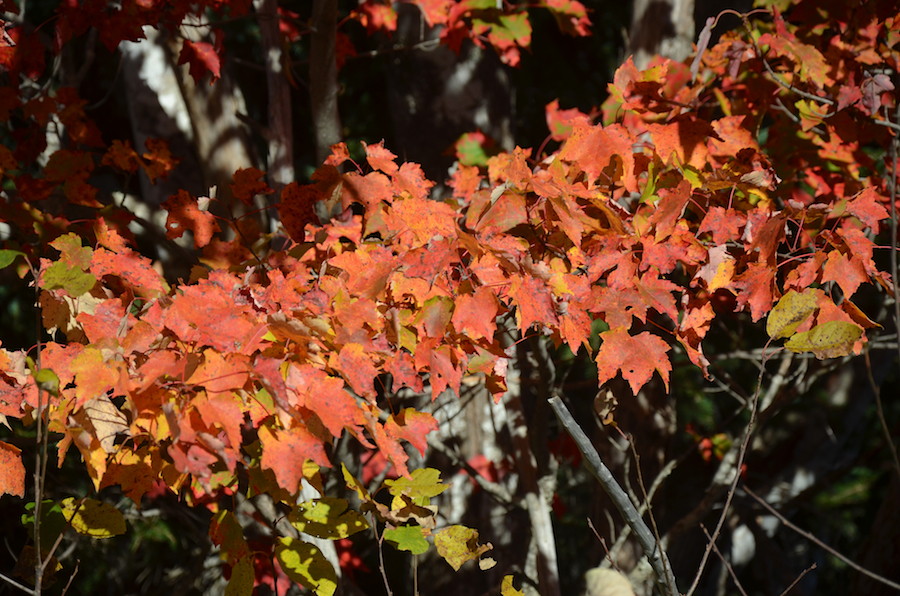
pixel 659 561
pixel 725 561
pixel 815 540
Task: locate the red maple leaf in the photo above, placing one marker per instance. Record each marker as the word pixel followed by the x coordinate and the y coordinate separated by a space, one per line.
pixel 755 287
pixel 380 158
pixel 185 214
pixel 636 356
pixel 685 137
pixel 725 224
pixel 474 314
pixel 356 366
pixel 285 450
pixel 670 208
pixel 411 426
pixel 533 301
pixel 201 57
pixel 848 273
pixel 248 183
pixel 297 208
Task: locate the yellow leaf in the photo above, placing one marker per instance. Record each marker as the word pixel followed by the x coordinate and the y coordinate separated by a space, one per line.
pixel 93 518
pixel 833 339
pixel 789 313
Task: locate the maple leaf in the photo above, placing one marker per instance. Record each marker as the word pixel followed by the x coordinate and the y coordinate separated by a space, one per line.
pixel 411 426
pixel 375 16
pixel 284 451
pixel 533 301
pixel 755 287
pixel 134 471
pixel 158 160
pixel 731 136
pixel 657 293
pixel 423 218
pixel 411 179
pixel 93 376
pixel 356 366
pixel 185 214
pixel 106 321
pixel 868 208
pixel 474 314
pixel 636 356
pixel 725 224
pixel 222 410
pixel 367 270
pixel 380 158
pixel 220 373
pixel 848 273
pixel 594 148
pixel 571 17
pixel 670 208
pixel 12 471
pixel 618 306
pixel 247 184
pixel 201 57
pixel 297 208
pixel 686 138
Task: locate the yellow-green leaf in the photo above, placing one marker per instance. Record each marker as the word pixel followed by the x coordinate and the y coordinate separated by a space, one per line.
pixel 93 518
pixel 407 538
pixel 47 380
pixel 833 339
pixel 327 518
pixel 306 565
pixel 242 578
pixel 789 313
pixel 420 486
pixel 458 544
pixel 226 532
pixel 8 256
pixel 507 589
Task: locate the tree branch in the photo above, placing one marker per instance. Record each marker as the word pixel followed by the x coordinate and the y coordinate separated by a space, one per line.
pixel 323 83
pixel 815 540
pixel 658 559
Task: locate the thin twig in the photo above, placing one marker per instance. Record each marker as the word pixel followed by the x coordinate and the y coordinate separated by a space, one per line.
pixel 895 150
pixel 737 476
pixel 655 555
pixel 16 584
pixel 880 410
pixel 71 577
pixel 725 561
pixel 640 477
pixel 799 577
pixel 815 540
pixel 603 542
pixel 380 541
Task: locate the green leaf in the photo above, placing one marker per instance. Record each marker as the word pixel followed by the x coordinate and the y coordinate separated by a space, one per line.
pixel 8 256
pixel 306 565
pixel 93 518
pixel 327 518
pixel 52 521
pixel 789 313
pixel 833 339
pixel 74 281
pixel 408 538
pixel 458 544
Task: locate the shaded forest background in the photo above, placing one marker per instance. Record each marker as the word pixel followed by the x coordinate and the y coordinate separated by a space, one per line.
pixel 819 457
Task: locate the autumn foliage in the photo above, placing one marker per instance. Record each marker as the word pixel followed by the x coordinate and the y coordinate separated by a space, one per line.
pixel 694 192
